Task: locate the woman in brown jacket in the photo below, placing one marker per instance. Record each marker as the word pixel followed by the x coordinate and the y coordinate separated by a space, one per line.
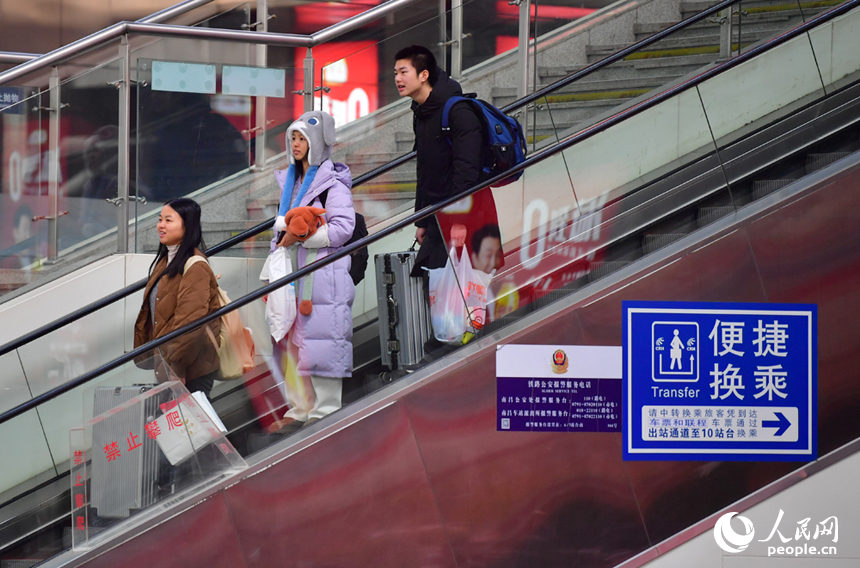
pixel 175 297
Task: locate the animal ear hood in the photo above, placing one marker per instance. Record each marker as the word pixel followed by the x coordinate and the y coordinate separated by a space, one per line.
pixel 319 130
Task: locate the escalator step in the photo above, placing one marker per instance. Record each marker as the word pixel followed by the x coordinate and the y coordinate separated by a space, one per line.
pixel 767 186
pixel 651 243
pixel 817 161
pixel 707 215
pixel 601 269
pixel 258 441
pixel 19 563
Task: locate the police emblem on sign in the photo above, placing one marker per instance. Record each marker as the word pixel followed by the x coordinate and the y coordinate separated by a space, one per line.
pixel 559 362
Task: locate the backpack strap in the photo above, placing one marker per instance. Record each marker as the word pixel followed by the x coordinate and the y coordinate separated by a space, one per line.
pixel 446 127
pixel 192 260
pixel 447 110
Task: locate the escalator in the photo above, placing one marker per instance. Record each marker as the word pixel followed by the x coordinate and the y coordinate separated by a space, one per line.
pixel 740 209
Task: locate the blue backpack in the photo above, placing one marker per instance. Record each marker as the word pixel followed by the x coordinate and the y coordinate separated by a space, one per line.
pixel 504 141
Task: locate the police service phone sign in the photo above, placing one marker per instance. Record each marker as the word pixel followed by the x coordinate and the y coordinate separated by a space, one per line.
pixel 705 381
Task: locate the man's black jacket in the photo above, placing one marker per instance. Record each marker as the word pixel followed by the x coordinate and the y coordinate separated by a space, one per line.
pixel 445 167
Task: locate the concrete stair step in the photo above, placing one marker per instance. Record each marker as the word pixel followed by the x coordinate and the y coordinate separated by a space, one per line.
pixel 626 70
pixel 501 96
pixel 380 158
pixel 686 61
pixel 562 116
pixel 707 215
pixel 258 247
pixel 750 24
pixel 690 62
pixel 615 87
pixel 816 162
pixel 232 225
pixel 654 242
pixel 651 28
pixel 775 6
pixel 691 45
pixel 761 188
pixel 403 141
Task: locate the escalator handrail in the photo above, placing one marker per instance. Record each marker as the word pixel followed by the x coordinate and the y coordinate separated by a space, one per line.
pixel 433 209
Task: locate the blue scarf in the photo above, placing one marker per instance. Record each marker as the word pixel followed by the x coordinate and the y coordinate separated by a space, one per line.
pixel 288 204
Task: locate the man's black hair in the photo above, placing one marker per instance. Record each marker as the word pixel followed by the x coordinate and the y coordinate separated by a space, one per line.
pixel 490 230
pixel 189 212
pixel 422 59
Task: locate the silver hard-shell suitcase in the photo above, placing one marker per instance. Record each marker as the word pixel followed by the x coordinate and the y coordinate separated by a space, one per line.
pixel 130 482
pixel 404 314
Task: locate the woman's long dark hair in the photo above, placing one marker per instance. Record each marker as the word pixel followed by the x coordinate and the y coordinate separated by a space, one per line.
pixel 189 212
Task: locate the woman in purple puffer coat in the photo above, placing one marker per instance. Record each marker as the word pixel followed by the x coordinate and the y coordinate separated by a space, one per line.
pixel 323 338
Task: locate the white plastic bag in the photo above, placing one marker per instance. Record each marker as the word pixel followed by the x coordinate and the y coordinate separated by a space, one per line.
pixel 281 304
pixel 458 298
pixel 476 292
pixel 184 430
pixel 447 309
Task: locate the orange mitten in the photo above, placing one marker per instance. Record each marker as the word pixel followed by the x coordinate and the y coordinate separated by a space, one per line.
pixel 302 222
pixel 306 307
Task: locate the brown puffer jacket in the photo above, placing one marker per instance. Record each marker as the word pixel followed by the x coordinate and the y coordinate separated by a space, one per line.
pixel 180 301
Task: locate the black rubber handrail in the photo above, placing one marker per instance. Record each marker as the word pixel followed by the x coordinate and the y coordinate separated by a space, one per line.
pixel 431 210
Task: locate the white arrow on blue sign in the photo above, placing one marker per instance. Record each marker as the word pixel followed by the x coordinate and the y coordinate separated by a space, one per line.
pixel 705 381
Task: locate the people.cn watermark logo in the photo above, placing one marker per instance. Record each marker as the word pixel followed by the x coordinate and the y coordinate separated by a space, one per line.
pixel 805 542
pixel 728 539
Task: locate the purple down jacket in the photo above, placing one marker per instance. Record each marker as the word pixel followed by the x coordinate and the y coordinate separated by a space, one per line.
pixel 324 338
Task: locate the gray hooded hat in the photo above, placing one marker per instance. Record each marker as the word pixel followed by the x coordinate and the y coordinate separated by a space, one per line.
pixel 318 129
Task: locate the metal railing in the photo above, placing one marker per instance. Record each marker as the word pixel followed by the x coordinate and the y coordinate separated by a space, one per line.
pixel 156 18
pixel 121 32
pixel 432 210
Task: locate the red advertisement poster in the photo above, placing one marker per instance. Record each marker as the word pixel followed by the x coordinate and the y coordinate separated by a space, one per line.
pixel 351 71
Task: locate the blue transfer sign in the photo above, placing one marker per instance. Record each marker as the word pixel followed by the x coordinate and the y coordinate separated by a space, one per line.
pixel 729 382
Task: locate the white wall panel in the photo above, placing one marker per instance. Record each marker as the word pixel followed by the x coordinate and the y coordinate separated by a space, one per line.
pixel 760 90
pixel 60 297
pixel 639 149
pixel 836 45
pixel 25 453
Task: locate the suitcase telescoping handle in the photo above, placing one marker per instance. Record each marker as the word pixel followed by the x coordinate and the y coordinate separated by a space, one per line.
pixel 393 342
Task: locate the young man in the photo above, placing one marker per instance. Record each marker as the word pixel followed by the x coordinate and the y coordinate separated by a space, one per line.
pixel 448 164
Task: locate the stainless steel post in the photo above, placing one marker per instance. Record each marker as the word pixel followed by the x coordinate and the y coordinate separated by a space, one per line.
pixel 443 35
pixel 456 39
pixel 309 81
pixel 523 56
pixel 726 32
pixel 124 148
pixel 53 165
pixel 261 61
